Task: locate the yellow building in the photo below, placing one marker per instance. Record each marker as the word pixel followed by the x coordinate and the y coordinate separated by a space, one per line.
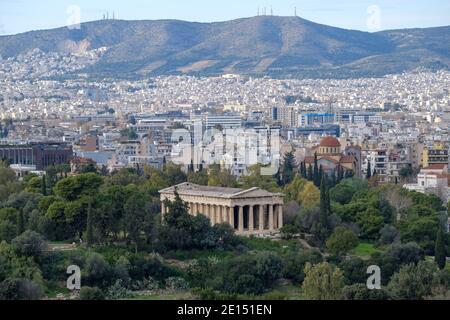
pixel 438 154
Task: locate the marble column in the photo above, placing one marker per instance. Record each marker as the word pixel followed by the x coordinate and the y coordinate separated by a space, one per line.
pixel 270 217
pixel 280 216
pixel 218 214
pixel 208 211
pixel 203 209
pixel 251 220
pixel 224 214
pixel 261 217
pixel 241 219
pixel 163 209
pixel 231 216
pixel 212 214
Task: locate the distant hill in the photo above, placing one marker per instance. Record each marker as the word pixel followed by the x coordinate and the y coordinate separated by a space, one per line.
pixel 264 45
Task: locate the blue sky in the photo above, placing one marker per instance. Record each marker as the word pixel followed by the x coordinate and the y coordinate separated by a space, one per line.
pixel 25 15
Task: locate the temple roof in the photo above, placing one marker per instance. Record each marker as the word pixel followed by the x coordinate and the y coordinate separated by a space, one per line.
pixel 187 188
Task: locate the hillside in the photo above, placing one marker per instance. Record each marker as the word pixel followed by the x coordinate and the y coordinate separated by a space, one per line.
pixel 264 45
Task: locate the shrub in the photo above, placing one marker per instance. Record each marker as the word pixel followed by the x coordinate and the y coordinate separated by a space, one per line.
pixel 361 292
pixel 30 244
pixel 20 289
pixel 176 284
pixel 118 291
pixel 89 293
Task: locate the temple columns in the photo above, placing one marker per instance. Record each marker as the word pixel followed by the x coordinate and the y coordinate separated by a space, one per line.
pixel 241 219
pixel 212 214
pixel 231 216
pixel 225 214
pixel 251 220
pixel 261 217
pixel 163 209
pixel 280 216
pixel 270 217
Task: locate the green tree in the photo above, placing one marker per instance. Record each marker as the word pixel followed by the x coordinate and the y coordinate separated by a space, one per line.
pixel 440 255
pixel 77 186
pixel 322 281
pixel 288 168
pixel 304 192
pixel 90 226
pixel 136 209
pixel 343 192
pixel 371 222
pixel 199 177
pixel 310 174
pixel 91 293
pixel 30 244
pixel 219 177
pixel 369 170
pixel 20 223
pixel 342 241
pixel 44 185
pixel 322 228
pixel 413 282
pixel 360 291
pixel 256 179
pixel 294 264
pixel 20 289
pixel 316 177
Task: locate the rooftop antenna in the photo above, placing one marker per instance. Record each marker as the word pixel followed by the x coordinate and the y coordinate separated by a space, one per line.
pixel 295 11
pixel 107 15
pixel 114 15
pixel 258 11
pixel 271 11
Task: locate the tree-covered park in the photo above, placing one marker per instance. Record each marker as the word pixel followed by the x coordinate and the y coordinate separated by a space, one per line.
pixel 109 224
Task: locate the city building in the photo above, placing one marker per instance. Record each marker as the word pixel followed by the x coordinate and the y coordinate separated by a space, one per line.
pixel 433 180
pixel 40 155
pixel 316 119
pixel 330 157
pixel 438 154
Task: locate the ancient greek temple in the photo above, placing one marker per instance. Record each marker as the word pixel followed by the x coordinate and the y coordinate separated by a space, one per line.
pixel 252 211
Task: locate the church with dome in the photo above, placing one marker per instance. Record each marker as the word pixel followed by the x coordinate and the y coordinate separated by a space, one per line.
pixel 331 156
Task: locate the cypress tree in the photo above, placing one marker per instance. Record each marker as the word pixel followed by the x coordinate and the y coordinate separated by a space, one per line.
pixel 305 170
pixel 287 170
pixel 89 226
pixel 440 255
pixel 321 173
pixel 340 174
pixel 369 170
pixel 191 167
pixel 310 173
pixel 316 176
pixel 322 228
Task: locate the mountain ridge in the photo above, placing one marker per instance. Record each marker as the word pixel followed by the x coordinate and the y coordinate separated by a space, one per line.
pixel 263 45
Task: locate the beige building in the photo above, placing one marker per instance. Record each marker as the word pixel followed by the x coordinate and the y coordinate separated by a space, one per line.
pixel 252 211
